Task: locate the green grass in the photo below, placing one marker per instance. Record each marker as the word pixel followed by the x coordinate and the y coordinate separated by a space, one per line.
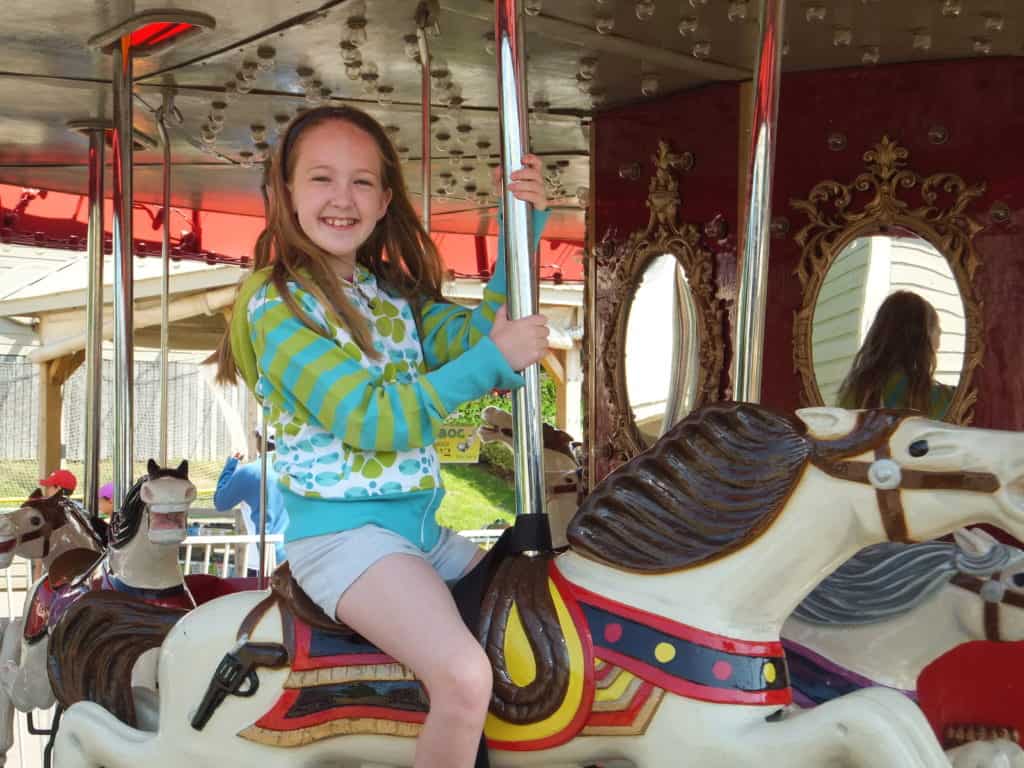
pixel 19 478
pixel 476 494
pixel 475 497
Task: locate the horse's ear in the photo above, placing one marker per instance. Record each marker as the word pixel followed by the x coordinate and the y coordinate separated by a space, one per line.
pixel 828 423
pixel 152 467
pixel 973 541
pixel 36 494
pixel 182 470
pixel 497 416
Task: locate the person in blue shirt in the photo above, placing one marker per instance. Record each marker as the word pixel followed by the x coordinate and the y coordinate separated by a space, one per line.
pixel 239 484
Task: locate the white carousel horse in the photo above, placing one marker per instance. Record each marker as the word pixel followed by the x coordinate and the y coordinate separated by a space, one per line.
pixel 142 561
pixel 666 651
pixel 45 529
pixel 562 469
pixel 892 609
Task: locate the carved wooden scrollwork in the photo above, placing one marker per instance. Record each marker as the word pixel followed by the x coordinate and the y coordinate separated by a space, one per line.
pixel 931 207
pixel 619 270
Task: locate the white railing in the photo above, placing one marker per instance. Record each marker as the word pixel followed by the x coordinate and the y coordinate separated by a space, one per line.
pixel 225 553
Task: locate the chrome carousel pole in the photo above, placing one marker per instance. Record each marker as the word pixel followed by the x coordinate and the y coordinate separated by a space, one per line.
pixel 264 495
pixel 753 260
pixel 424 19
pixel 124 416
pixel 163 114
pixel 96 130
pixel 521 262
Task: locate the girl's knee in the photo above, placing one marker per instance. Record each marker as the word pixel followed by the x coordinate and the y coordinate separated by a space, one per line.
pixel 463 682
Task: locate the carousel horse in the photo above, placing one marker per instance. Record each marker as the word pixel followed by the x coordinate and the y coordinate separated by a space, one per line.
pixel 655 639
pixel 563 469
pixel 892 609
pixel 142 561
pixel 52 530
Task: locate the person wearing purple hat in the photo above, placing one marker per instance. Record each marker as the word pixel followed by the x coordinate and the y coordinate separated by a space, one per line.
pixel 104 511
pixel 106 504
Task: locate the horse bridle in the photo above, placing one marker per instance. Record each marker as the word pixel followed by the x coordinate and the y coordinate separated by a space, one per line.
pixel 888 478
pixel 994 593
pixel 54 516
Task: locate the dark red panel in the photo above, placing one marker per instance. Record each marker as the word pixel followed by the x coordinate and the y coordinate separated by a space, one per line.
pixel 981 104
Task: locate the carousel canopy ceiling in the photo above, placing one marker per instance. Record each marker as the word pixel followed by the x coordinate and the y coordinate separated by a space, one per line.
pixel 235 84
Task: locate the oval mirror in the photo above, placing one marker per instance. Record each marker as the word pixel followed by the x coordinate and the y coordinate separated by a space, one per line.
pixel 662 348
pixel 867 273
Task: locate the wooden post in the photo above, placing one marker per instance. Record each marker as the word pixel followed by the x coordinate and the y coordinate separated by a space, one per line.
pixel 49 417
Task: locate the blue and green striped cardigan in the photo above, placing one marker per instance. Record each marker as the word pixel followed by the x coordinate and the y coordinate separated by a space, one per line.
pixel 355 433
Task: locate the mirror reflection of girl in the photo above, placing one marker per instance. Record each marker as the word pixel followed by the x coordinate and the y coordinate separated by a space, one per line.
pixel 895 366
pixel 346 338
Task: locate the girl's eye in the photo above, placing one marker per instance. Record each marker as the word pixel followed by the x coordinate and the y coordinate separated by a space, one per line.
pixel 320 178
pixel 364 182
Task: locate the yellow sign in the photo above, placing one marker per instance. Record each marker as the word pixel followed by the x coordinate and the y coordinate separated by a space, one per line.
pixel 458 444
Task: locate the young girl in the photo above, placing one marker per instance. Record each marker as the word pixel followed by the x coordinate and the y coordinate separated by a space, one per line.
pixel 347 340
pixel 895 365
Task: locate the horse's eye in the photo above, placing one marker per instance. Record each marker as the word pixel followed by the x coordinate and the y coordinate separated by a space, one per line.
pixel 1018 579
pixel 35 520
pixel 918 448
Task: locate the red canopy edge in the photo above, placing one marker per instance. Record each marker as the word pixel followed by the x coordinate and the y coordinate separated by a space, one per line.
pixel 37 217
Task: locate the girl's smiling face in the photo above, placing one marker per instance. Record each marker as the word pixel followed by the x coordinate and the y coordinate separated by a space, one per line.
pixel 337 189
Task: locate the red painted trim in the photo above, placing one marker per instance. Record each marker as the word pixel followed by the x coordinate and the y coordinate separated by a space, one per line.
pixel 675 629
pixel 603 672
pixel 696 691
pixel 587 697
pixel 304 662
pixel 275 719
pixel 625 717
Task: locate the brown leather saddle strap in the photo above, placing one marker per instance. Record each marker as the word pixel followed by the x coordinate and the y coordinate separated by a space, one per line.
pixel 255 615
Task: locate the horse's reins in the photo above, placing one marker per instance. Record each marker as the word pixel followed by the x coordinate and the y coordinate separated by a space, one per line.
pixel 54 517
pixel 994 593
pixel 888 478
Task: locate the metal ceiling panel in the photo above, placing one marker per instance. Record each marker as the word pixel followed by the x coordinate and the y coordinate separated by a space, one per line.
pixel 48 76
pixel 49 37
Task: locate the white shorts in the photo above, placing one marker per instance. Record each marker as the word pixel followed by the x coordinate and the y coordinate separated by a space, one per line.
pixel 326 566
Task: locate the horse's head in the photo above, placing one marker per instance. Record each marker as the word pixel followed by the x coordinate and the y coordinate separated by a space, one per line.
pixel 929 477
pixel 168 494
pixel 27 530
pixel 160 499
pixel 563 467
pixel 993 573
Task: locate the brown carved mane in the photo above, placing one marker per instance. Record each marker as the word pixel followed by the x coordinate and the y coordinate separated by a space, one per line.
pixel 708 487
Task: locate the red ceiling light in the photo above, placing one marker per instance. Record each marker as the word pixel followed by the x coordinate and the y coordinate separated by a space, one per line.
pixel 159 32
pixel 153 31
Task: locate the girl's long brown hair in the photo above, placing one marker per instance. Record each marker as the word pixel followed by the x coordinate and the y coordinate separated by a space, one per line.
pixel 900 340
pixel 399 252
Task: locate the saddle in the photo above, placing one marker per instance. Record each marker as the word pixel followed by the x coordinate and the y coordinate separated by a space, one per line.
pixel 53 595
pixel 517 625
pixel 291 598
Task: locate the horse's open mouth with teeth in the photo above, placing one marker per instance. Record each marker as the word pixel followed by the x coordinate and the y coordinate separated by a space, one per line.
pixel 168 522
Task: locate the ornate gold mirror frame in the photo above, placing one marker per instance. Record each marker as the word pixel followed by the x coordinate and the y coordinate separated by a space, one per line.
pixel 620 270
pixel 940 219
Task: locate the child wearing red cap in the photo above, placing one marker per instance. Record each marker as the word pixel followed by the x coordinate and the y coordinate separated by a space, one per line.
pixel 57 481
